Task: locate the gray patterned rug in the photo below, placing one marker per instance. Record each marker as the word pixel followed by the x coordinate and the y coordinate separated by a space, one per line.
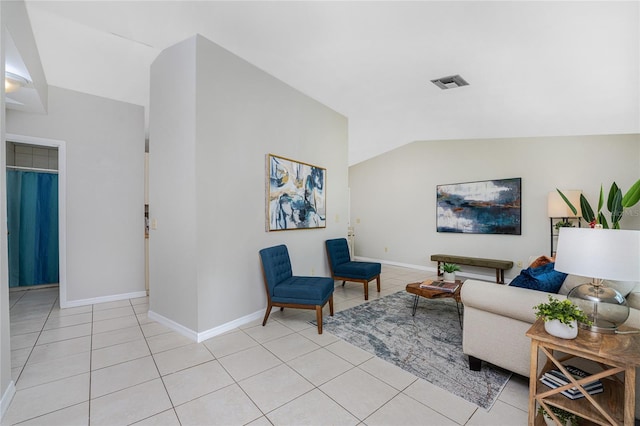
pixel 428 345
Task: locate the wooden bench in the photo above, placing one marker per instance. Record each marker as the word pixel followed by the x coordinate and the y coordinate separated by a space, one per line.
pixel 498 265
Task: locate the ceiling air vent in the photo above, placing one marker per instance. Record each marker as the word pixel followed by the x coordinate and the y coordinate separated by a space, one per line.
pixel 450 82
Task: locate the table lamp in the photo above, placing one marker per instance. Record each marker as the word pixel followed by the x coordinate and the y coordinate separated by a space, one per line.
pixel 556 206
pixel 602 254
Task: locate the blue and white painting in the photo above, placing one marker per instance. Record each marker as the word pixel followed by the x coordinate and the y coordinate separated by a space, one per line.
pixel 296 195
pixel 485 207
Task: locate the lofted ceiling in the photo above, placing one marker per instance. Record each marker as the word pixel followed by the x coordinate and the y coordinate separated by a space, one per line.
pixel 534 68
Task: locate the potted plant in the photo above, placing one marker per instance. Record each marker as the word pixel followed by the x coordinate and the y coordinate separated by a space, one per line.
pixel 561 317
pixel 616 203
pixel 564 224
pixel 566 418
pixel 449 271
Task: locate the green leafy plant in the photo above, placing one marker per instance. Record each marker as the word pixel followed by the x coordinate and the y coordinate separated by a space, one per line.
pixel 562 310
pixel 616 203
pixel 565 417
pixel 449 267
pixel 563 224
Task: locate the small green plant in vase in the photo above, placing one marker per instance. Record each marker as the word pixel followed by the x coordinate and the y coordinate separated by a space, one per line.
pixel 449 270
pixel 561 317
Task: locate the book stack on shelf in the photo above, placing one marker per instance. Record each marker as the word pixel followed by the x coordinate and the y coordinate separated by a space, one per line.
pixel 555 378
pixel 439 285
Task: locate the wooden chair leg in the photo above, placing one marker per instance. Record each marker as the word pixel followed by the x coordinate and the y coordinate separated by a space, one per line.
pixel 366 290
pixel 266 314
pixel 378 282
pixel 331 305
pixel 319 318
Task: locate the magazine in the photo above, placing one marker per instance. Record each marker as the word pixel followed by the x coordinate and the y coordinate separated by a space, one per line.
pixel 555 379
pixel 439 285
pixel 559 378
pixel 568 393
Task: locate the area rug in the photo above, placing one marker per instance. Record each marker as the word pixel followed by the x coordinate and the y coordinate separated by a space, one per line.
pixel 428 345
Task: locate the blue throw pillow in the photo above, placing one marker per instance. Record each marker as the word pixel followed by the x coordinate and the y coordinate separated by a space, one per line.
pixel 542 278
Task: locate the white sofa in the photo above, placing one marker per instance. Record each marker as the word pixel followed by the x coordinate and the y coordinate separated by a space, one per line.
pixel 496 318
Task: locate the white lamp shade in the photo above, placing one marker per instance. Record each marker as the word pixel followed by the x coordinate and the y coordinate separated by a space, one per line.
pixel 612 254
pixel 556 207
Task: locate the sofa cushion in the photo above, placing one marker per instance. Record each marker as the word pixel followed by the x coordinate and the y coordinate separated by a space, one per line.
pixel 543 278
pixel 303 290
pixel 357 270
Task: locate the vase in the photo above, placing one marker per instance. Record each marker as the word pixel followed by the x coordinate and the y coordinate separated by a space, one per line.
pixel 449 277
pixel 559 329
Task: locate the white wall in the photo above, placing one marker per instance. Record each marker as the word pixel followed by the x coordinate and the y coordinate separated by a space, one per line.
pixel 7 388
pixel 172 185
pixel 14 23
pixel 393 196
pixel 105 190
pixel 241 114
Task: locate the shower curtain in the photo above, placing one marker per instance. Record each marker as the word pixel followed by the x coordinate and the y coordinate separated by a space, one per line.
pixel 32 221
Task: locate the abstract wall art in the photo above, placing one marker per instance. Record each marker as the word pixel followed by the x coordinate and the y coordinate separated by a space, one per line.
pixel 484 207
pixel 295 195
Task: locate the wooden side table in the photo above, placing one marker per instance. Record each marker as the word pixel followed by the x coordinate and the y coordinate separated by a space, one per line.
pixel 614 353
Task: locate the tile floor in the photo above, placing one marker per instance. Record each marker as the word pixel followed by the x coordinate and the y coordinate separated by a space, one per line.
pixel 108 364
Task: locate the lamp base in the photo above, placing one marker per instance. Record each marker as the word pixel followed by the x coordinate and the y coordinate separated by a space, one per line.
pixel 603 327
pixel 605 307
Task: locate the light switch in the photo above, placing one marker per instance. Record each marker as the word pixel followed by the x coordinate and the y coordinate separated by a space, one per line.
pixel 154 223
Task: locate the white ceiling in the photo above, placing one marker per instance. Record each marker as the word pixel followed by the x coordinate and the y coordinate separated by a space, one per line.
pixel 534 68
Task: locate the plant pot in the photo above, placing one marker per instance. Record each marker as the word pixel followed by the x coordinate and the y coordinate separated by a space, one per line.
pixel 558 329
pixel 449 277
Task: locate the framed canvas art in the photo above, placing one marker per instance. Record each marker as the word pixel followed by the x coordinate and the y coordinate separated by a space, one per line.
pixel 295 195
pixel 484 207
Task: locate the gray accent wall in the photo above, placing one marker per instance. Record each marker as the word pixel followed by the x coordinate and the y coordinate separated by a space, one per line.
pixel 393 196
pixel 213 119
pixel 105 189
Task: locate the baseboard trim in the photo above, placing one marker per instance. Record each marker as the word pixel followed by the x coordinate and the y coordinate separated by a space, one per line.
pixel 102 299
pixel 431 269
pixel 178 328
pixel 215 331
pixel 7 397
pixel 204 335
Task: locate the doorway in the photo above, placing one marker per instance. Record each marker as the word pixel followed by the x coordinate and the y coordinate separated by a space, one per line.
pixel 32 215
pixel 39 165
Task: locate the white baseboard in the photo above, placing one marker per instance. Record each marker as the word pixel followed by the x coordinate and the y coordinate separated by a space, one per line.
pixel 178 328
pixel 212 332
pixel 103 299
pixel 204 335
pixel 7 396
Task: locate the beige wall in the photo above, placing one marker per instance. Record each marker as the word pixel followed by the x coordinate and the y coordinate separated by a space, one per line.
pixel 208 140
pixel 393 196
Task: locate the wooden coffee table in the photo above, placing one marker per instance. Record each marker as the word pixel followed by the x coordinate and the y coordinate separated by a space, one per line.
pixel 414 288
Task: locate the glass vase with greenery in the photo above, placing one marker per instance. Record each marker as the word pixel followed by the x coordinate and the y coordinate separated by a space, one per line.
pixel 565 417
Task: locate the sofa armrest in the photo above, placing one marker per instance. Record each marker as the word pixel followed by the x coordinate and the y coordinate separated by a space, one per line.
pixel 504 300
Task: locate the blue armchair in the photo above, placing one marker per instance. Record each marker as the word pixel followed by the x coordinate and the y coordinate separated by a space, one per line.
pixel 343 268
pixel 288 291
